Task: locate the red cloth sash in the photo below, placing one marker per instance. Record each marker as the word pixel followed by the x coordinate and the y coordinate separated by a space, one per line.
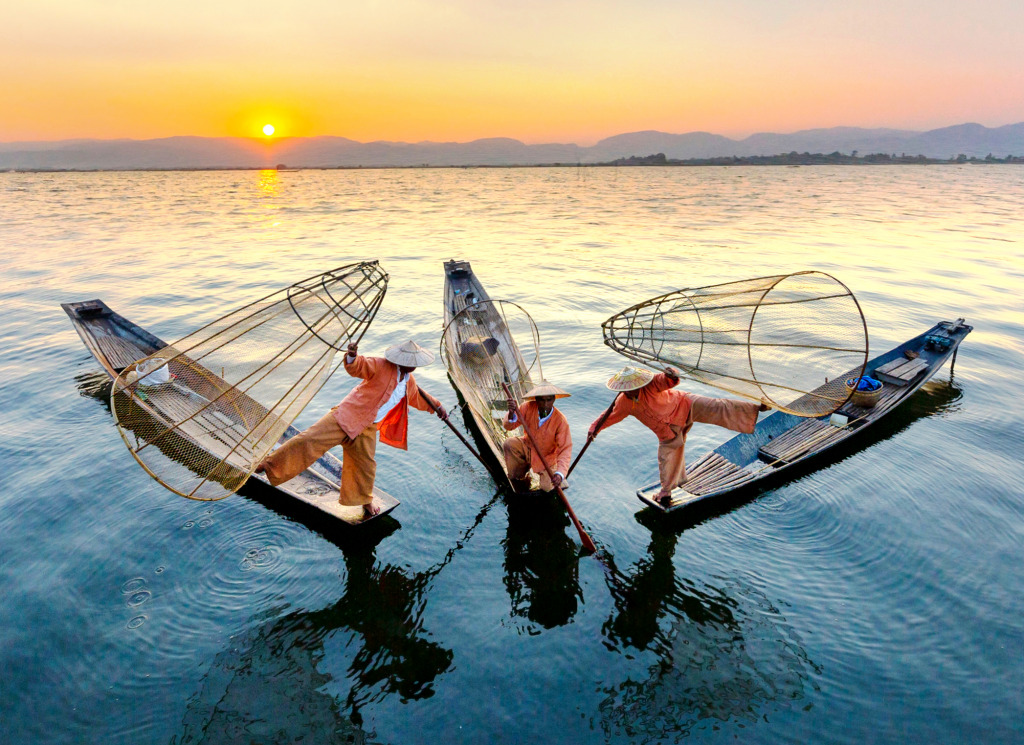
pixel 394 428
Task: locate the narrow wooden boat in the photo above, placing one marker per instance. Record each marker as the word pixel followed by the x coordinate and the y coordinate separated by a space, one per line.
pixel 783 440
pixel 481 354
pixel 117 343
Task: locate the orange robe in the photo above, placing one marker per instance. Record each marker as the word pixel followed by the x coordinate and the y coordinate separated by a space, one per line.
pixel 350 424
pixel 553 439
pixel 670 414
pixel 359 408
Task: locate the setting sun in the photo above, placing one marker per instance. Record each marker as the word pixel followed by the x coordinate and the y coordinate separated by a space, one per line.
pixel 268 129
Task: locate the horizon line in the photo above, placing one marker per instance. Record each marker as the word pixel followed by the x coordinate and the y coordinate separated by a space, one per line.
pixel 280 139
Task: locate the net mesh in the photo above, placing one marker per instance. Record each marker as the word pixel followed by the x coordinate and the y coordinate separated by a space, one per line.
pixel 200 414
pixel 789 340
pixel 480 350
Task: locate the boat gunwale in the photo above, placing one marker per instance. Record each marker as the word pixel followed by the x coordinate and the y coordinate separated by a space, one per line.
pixel 778 467
pixel 483 431
pixel 327 468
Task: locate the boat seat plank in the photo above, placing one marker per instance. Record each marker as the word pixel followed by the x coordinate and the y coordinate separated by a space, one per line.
pixel 901 371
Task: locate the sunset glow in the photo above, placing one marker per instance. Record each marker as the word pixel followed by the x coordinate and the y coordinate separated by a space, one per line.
pixel 412 70
pixel 268 129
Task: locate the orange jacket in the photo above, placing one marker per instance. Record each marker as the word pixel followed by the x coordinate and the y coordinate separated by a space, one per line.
pixel 553 439
pixel 359 408
pixel 657 407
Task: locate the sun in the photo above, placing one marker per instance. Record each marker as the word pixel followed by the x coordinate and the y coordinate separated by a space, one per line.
pixel 268 129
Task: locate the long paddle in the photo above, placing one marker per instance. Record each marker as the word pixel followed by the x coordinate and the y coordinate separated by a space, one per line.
pixel 604 416
pixel 458 434
pixel 588 544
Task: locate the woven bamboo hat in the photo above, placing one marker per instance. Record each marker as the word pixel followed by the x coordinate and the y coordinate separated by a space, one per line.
pixel 546 389
pixel 630 378
pixel 408 354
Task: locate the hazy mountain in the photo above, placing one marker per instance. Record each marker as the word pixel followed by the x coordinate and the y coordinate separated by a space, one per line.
pixel 690 145
pixel 227 152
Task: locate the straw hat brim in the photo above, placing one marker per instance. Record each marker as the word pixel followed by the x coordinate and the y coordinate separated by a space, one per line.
pixel 629 379
pixel 408 354
pixel 546 389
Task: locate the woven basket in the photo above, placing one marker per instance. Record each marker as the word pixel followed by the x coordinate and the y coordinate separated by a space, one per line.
pixel 864 399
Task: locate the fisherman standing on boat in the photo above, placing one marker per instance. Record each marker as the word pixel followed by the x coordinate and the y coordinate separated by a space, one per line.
pixel 380 403
pixel 550 431
pixel 670 414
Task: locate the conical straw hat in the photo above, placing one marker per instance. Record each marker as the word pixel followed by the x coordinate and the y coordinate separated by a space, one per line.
pixel 408 354
pixel 546 389
pixel 630 378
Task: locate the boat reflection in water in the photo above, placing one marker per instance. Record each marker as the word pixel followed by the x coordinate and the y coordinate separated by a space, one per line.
pixel 268 687
pixel 541 563
pixel 720 651
pixel 723 653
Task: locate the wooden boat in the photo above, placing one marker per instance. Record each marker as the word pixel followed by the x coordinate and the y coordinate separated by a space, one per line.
pixel 481 354
pixel 117 343
pixel 782 440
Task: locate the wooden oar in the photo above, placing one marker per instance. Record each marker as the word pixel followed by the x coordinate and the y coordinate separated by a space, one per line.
pixel 447 420
pixel 588 544
pixel 604 416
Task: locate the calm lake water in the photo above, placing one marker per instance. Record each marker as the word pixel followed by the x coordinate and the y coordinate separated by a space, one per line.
pixel 877 599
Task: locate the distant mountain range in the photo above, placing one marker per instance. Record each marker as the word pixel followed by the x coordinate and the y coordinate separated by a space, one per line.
pixel 972 140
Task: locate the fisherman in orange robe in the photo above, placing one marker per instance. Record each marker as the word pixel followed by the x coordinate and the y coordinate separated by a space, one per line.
pixel 550 432
pixel 670 414
pixel 379 404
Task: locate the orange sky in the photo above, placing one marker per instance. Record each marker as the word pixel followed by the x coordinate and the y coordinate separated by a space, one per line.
pixel 554 71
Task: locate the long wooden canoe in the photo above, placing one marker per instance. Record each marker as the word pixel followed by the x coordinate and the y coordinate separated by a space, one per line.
pixel 481 354
pixel 116 343
pixel 781 441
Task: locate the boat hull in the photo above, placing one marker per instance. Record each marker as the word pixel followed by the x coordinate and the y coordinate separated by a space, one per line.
pixel 116 342
pixel 481 397
pixel 781 441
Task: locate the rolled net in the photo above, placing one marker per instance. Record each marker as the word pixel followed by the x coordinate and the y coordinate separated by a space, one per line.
pixel 788 340
pixel 481 349
pixel 200 414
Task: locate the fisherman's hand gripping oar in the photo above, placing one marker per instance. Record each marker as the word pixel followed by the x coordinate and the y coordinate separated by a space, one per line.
pixel 586 540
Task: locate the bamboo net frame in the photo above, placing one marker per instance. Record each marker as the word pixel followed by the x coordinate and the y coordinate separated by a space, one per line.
pixel 200 414
pixel 772 339
pixel 481 353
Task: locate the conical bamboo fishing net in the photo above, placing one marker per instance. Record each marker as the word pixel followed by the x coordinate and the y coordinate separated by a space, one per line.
pixel 480 348
pixel 789 340
pixel 200 414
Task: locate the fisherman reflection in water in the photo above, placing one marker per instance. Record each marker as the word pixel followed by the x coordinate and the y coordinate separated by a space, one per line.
pixel 379 404
pixel 670 414
pixel 550 431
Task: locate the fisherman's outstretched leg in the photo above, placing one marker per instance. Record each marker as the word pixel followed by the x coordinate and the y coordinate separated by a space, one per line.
pixel 739 416
pixel 301 451
pixel 359 469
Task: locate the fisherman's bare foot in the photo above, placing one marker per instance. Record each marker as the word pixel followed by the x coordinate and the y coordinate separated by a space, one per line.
pixel 371 510
pixel 261 468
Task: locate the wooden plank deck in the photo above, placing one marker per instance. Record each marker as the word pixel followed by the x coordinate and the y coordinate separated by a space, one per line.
pixel 889 396
pixel 806 436
pixel 901 371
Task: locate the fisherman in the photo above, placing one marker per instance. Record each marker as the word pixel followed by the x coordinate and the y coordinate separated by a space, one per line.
pixel 379 404
pixel 550 432
pixel 670 414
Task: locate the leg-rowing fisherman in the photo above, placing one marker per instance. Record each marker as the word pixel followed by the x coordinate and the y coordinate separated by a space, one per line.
pixel 379 404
